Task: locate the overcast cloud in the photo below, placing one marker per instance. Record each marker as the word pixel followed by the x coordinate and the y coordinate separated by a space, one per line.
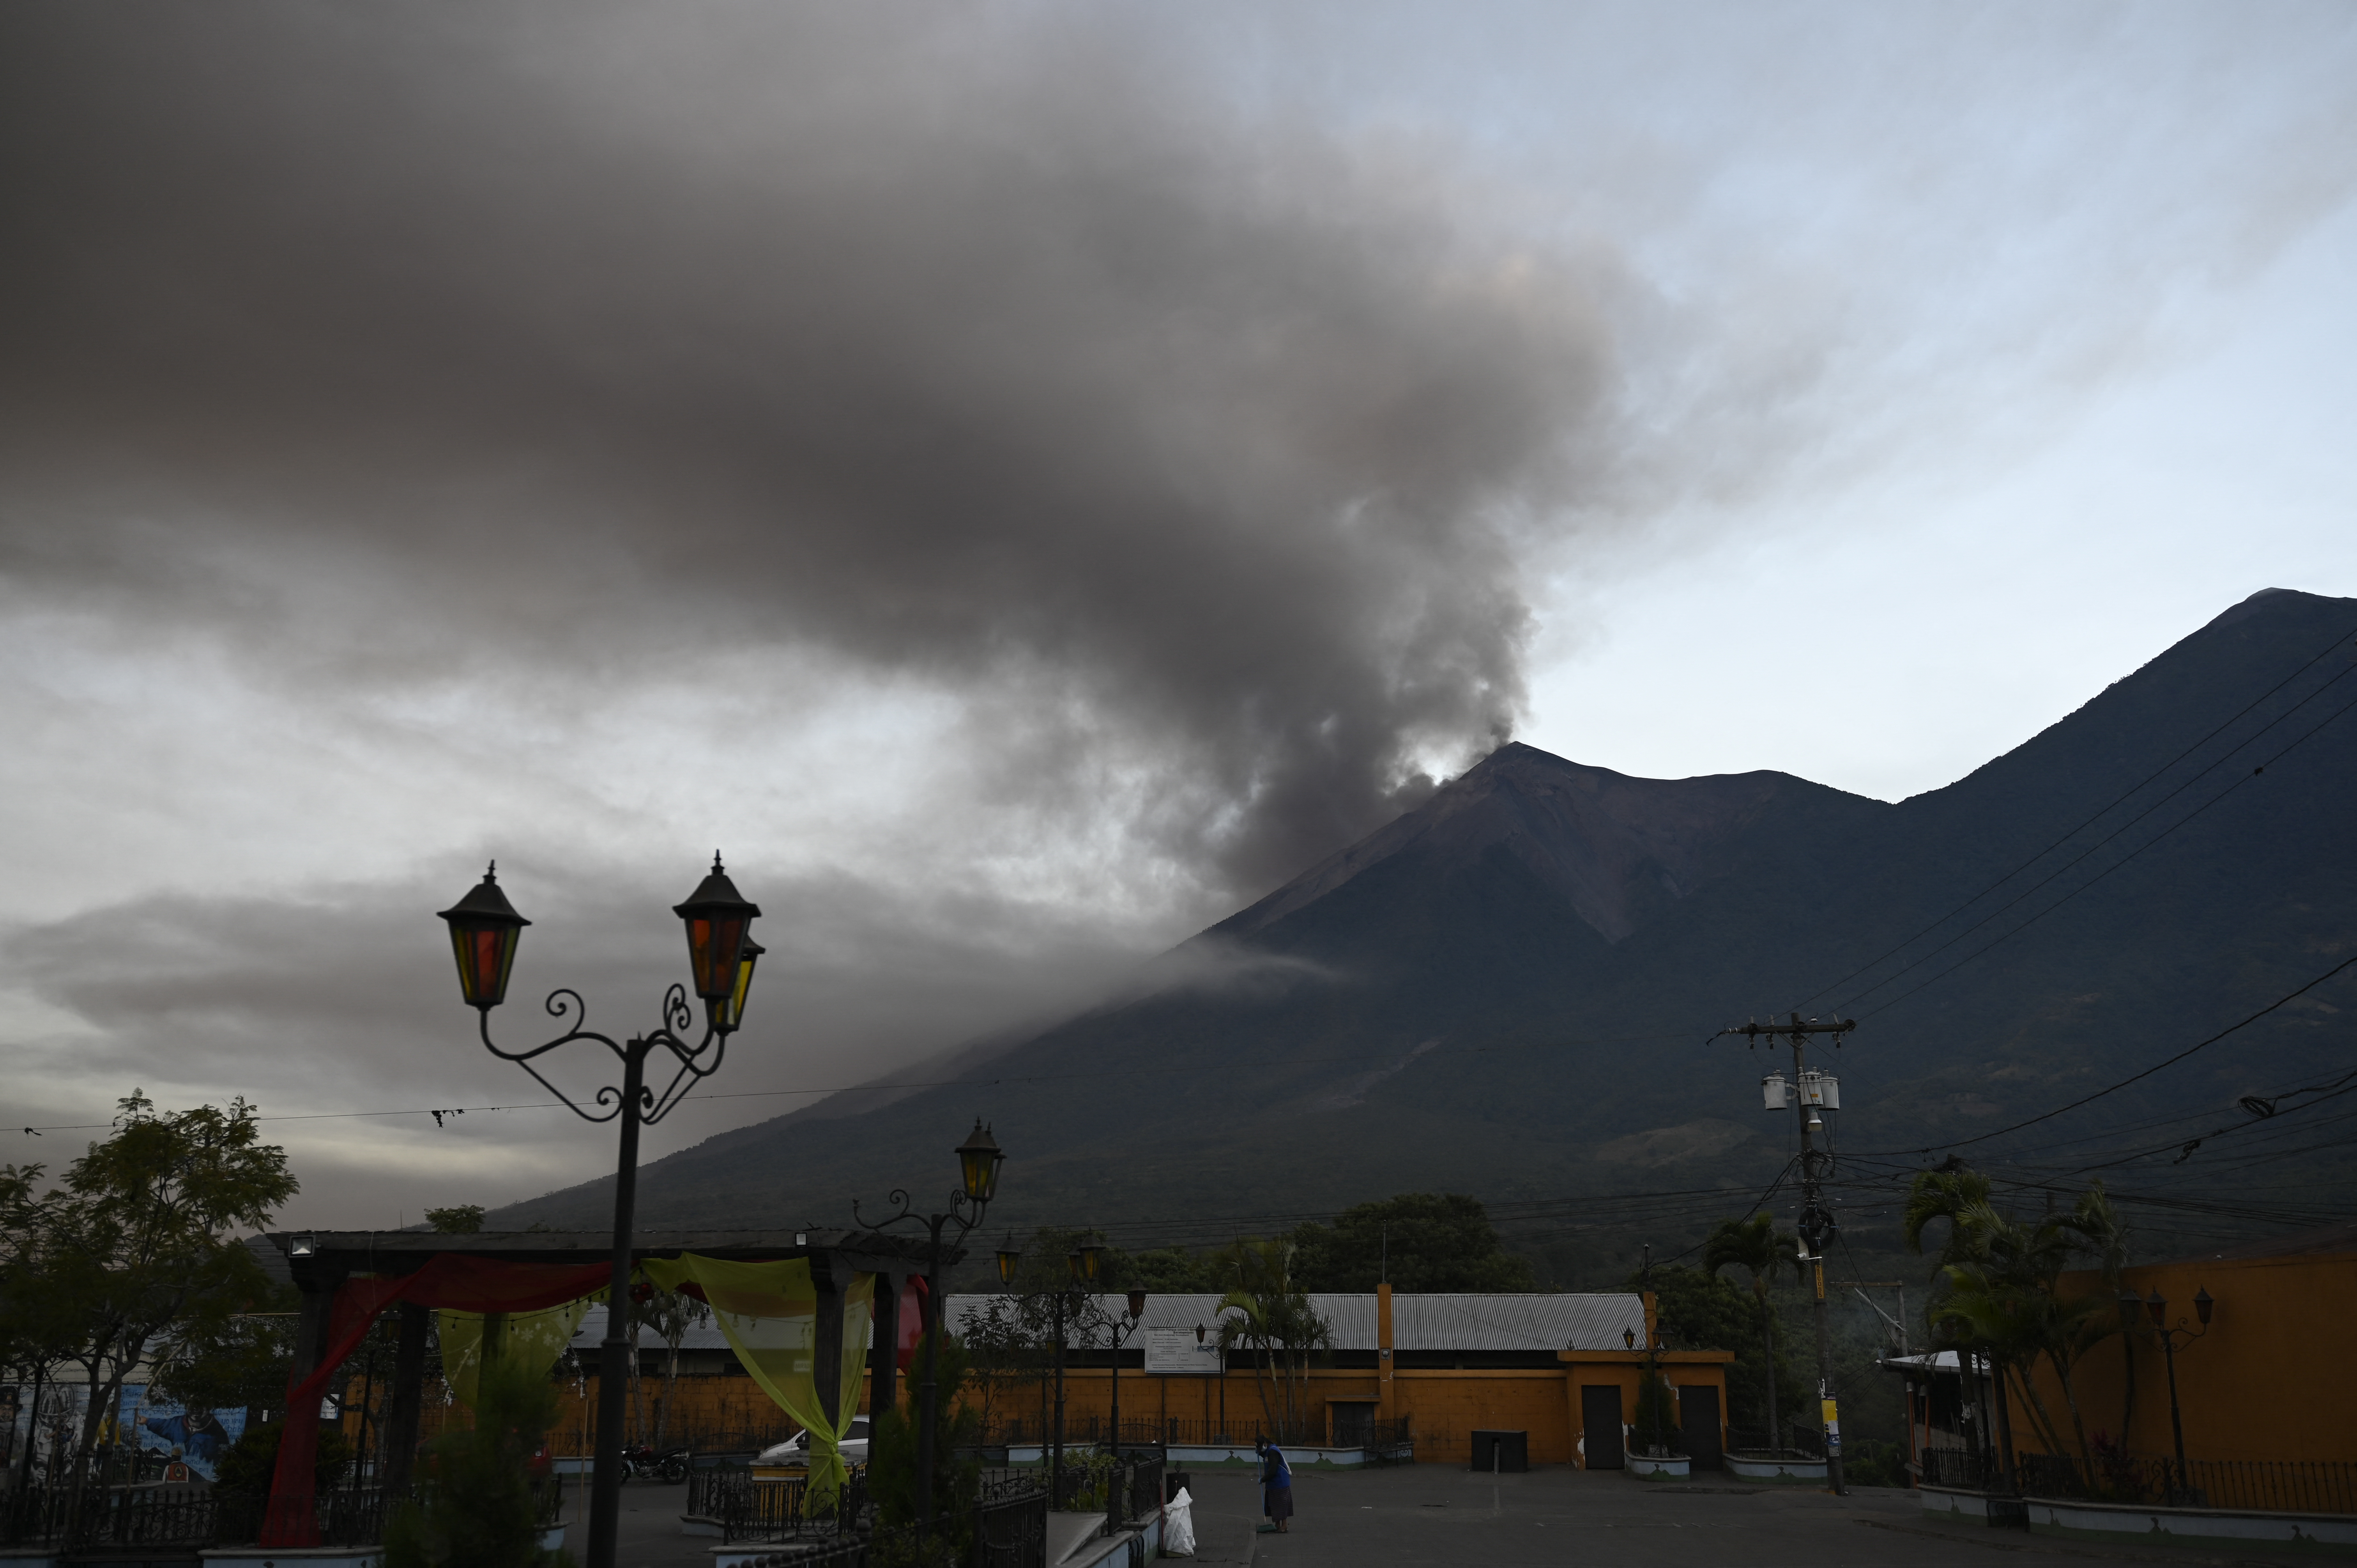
pixel 1023 479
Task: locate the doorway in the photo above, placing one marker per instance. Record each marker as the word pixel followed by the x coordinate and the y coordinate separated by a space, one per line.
pixel 1600 1412
pixel 1353 1421
pixel 1699 1421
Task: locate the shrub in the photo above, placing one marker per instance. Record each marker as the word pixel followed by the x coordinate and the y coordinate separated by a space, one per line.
pixel 477 1508
pixel 246 1465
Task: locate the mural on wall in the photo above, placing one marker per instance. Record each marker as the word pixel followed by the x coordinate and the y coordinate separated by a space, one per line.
pixel 194 1435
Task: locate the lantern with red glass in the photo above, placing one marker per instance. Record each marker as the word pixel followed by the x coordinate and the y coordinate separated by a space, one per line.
pixel 484 929
pixel 719 923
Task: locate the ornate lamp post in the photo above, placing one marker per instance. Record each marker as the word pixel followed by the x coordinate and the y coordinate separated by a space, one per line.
pixel 979 1158
pixel 484 932
pixel 1081 1271
pixel 2157 1306
pixel 1117 1332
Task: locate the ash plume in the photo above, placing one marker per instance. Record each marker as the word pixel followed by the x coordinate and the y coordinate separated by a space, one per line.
pixel 1189 447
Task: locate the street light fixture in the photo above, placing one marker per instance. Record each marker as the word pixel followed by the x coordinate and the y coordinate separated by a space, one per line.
pixel 1117 1333
pixel 2156 1307
pixel 979 1159
pixel 485 931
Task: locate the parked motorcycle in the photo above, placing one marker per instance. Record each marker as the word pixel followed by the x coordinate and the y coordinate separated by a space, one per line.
pixel 641 1461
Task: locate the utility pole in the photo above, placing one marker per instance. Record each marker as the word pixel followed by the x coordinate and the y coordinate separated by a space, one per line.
pixel 1809 1091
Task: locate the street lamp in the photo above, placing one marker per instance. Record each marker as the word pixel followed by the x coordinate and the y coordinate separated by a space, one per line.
pixel 979 1158
pixel 2156 1307
pixel 485 931
pixel 1117 1332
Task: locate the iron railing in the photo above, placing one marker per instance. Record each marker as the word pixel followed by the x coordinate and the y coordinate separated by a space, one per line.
pixel 152 1516
pixel 1010 1526
pixel 1964 1469
pixel 1138 1489
pixel 1304 1431
pixel 1792 1443
pixel 2250 1486
pixel 2242 1485
pixel 762 1507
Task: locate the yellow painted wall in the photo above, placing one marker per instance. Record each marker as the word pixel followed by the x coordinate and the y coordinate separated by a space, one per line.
pixel 2274 1378
pixel 1443 1406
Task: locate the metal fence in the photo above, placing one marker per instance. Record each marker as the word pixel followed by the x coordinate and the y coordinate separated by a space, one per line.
pixel 1964 1469
pixel 761 1507
pixel 1010 1528
pixel 2247 1486
pixel 190 1516
pixel 1791 1443
pixel 1303 1431
pixel 2255 1486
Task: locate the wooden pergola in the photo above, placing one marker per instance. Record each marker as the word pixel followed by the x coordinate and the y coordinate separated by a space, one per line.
pixel 322 1260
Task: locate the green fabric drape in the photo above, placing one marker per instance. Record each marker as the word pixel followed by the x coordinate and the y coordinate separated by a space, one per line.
pixel 538 1338
pixel 768 1313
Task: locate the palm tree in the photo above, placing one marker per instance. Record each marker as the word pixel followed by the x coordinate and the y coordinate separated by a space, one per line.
pixel 1758 1248
pixel 1272 1316
pixel 1997 1289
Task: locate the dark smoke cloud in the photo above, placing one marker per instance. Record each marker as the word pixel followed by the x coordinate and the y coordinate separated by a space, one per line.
pixel 1193 447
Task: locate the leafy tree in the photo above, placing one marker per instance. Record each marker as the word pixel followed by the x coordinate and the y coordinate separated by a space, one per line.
pixel 1658 1425
pixel 1434 1241
pixel 1266 1311
pixel 479 1508
pixel 464 1220
pixel 1996 1289
pixel 957 1475
pixel 1166 1271
pixel 1757 1247
pixel 1011 1338
pixel 670 1315
pixel 139 1241
pixel 1699 1311
pixel 246 1465
pixel 235 1362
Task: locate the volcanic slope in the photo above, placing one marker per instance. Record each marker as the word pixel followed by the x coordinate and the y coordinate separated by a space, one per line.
pixel 1508 990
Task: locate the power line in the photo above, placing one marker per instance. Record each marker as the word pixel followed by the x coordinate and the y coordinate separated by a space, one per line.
pixel 2320 654
pixel 2116 866
pixel 1360 1058
pixel 2084 854
pixel 2133 1078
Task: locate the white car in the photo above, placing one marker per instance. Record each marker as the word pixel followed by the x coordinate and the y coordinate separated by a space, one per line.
pixel 793 1453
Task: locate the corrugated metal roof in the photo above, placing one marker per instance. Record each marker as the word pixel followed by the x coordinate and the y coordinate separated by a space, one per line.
pixel 1433 1322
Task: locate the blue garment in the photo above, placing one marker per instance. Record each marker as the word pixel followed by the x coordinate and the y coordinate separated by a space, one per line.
pixel 1276 1482
pixel 201 1439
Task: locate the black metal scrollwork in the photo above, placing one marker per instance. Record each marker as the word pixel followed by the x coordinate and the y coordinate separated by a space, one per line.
pixel 696 1062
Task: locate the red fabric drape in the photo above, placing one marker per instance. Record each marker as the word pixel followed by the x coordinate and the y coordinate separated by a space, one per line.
pixel 911 1322
pixel 450 1280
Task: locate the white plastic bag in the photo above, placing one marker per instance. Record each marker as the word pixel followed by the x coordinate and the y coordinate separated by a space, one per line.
pixel 1178 1526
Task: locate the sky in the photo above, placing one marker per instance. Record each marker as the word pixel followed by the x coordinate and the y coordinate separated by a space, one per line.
pixel 1023 481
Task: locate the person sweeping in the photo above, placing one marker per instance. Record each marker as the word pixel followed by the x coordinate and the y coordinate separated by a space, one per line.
pixel 1275 1488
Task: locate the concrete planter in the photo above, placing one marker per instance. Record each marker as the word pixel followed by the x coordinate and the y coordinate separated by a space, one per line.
pixel 2126 1521
pixel 293 1556
pixel 1661 1466
pixel 1766 1468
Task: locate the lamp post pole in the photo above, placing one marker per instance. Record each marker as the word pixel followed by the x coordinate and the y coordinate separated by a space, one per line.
pixel 979 1158
pixel 1080 1267
pixel 1118 1332
pixel 2155 1304
pixel 485 931
pixel 1056 1452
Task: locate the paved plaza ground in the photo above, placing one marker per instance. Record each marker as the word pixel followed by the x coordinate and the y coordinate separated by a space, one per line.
pixel 1421 1514
pixel 1431 1514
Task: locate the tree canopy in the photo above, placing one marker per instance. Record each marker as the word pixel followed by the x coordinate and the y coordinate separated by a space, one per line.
pixel 135 1253
pixel 1426 1242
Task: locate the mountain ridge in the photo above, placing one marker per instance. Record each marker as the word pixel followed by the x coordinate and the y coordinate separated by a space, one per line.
pixel 1514 979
